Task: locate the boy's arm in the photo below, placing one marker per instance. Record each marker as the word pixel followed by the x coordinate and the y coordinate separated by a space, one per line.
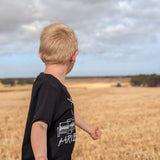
pixel 39 140
pixel 93 131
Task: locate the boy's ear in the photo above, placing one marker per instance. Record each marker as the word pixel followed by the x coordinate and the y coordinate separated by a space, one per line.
pixel 73 59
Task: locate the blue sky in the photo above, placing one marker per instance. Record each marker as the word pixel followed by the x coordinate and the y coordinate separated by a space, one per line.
pixel 116 37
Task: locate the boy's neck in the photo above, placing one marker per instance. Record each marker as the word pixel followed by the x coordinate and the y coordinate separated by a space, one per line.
pixel 57 70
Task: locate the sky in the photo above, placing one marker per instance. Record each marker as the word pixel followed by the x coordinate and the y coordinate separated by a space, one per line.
pixel 116 37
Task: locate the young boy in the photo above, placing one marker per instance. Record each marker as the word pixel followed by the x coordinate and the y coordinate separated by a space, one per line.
pixel 50 127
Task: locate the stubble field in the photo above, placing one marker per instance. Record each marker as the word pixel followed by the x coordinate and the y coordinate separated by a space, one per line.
pixel 129 118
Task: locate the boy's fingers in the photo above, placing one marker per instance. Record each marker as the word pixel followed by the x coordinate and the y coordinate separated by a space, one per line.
pixel 98 133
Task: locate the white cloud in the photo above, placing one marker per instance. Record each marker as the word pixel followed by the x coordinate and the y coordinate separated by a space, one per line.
pixel 115 28
pixel 112 31
pixel 111 26
pixel 124 5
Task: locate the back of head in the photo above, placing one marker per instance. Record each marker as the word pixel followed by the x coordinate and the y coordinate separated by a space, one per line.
pixel 58 43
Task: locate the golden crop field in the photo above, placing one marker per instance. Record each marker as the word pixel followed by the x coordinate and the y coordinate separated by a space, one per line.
pixel 129 118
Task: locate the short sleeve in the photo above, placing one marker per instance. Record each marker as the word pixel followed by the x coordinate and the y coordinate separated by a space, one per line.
pixel 46 104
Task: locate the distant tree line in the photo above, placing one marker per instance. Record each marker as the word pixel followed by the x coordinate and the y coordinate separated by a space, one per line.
pixel 20 81
pixel 145 80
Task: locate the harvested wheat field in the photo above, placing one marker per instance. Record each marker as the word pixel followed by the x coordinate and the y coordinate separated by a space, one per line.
pixel 129 118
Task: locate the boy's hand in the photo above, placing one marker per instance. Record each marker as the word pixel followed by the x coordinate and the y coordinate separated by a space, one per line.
pixel 95 133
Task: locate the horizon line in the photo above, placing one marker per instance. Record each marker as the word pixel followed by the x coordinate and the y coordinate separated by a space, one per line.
pixel 83 77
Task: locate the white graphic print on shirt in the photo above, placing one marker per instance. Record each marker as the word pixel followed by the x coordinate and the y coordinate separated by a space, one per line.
pixel 70 100
pixel 67 128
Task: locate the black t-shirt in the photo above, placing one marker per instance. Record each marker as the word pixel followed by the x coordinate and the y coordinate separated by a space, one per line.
pixel 52 104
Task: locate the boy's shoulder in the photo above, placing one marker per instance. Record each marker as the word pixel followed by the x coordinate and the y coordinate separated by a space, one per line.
pixel 49 81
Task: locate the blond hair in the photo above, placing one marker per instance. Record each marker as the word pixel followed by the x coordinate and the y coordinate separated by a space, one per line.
pixel 58 43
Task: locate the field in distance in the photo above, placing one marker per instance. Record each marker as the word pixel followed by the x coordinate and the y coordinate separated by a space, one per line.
pixel 129 118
